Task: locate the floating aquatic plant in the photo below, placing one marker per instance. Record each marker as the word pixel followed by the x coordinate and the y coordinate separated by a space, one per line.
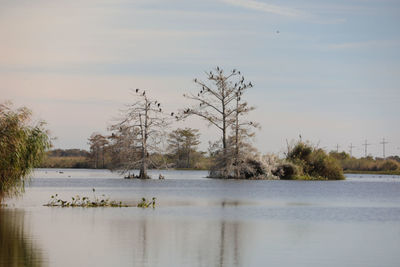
pixel 84 201
pixel 146 204
pixel 78 201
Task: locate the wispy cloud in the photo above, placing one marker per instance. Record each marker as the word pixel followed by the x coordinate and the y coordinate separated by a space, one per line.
pixel 268 8
pixel 365 44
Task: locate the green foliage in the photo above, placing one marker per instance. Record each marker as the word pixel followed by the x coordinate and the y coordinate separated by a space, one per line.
pixel 22 147
pixel 324 166
pixel 182 146
pixel 371 165
pixel 313 162
pixel 301 152
pixel 147 204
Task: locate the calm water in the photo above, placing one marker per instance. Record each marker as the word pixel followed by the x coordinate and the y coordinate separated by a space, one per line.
pixel 204 222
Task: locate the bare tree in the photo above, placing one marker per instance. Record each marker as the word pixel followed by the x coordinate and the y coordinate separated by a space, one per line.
pixel 144 124
pixel 242 128
pixel 123 148
pixel 219 102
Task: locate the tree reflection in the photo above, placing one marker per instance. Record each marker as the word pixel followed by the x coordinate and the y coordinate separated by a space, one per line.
pixel 229 251
pixel 16 246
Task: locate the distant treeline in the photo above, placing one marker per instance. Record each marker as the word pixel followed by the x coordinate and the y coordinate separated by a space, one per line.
pixel 389 165
pixel 68 153
pixel 78 158
pixel 182 153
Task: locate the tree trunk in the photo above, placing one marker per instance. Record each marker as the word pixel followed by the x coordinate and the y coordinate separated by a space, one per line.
pixel 97 159
pixel 223 128
pixel 102 155
pixel 188 159
pixel 237 140
pixel 143 166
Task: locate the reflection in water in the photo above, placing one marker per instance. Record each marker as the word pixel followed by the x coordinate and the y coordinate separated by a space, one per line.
pixel 164 241
pixel 16 246
pixel 205 222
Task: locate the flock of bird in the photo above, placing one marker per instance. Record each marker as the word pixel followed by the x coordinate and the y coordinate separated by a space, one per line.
pixel 203 90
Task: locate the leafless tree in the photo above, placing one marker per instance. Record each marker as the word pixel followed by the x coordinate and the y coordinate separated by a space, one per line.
pixel 242 128
pixel 219 102
pixel 144 123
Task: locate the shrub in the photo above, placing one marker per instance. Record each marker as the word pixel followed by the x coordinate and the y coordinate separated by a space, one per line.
pixel 300 152
pixel 312 162
pixel 389 165
pixel 325 166
pixel 286 171
pixel 252 169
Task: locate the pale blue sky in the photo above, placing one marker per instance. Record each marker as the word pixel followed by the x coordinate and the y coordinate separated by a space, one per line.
pixel 332 73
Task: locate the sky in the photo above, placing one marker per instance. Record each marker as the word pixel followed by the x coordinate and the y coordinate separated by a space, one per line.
pixel 326 70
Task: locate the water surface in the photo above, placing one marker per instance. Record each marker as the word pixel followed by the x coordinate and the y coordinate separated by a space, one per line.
pixel 204 222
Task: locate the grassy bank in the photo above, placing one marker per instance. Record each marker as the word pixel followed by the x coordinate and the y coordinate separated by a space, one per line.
pixel 368 165
pixel 65 162
pixel 397 172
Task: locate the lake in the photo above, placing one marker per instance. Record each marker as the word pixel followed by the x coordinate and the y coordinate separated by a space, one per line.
pixel 203 222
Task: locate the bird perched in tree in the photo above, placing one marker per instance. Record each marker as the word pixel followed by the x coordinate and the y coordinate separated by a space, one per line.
pixel 158 105
pixel 172 114
pixel 137 90
pixel 144 92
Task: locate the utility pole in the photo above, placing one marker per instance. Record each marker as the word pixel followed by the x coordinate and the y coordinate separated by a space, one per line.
pixel 383 145
pixel 337 148
pixel 366 145
pixel 351 149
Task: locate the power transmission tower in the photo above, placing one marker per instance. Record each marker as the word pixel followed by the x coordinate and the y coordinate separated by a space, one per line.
pixel 351 149
pixel 366 145
pixel 383 145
